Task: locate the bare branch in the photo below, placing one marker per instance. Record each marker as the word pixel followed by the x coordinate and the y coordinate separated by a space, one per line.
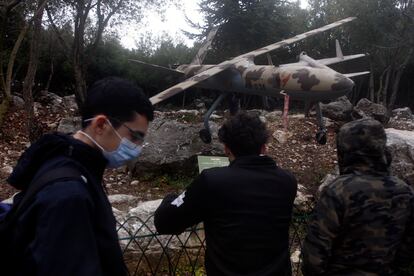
pixel 58 33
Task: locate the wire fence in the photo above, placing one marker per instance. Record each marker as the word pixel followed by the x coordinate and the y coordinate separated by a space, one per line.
pixel 149 253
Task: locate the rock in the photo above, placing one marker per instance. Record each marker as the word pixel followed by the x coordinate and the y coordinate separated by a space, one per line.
pixel 273 116
pixel 295 257
pixel 402 113
pixel 49 98
pixel 18 102
pixel 36 108
pixel 171 144
pixel 339 110
pixel 256 112
pixel 281 136
pixel 69 102
pixel 139 223
pixel 52 125
pixel 6 170
pixel 329 178
pixel 328 122
pixel 401 146
pixel 134 183
pixel 145 209
pixel 122 199
pixel 190 112
pixel 53 101
pixel 303 201
pixel 367 109
pixel 200 105
pixel 402 118
pixel 216 117
pixel 70 125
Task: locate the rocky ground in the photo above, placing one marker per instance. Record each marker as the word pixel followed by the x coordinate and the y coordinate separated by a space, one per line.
pixel 173 142
pixel 301 154
pixel 168 162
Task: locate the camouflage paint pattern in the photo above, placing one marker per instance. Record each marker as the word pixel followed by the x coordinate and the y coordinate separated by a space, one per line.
pixel 300 80
pixel 363 223
pixel 202 52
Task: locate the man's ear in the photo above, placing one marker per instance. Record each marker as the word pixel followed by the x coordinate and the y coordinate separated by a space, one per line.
pixel 98 124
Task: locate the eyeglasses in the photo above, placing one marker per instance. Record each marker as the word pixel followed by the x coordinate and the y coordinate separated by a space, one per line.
pixel 137 136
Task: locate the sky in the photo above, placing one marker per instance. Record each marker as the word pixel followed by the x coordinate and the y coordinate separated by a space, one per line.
pixel 173 23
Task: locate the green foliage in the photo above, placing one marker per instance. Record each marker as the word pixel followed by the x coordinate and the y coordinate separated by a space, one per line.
pixel 177 181
pixel 384 29
pixel 247 25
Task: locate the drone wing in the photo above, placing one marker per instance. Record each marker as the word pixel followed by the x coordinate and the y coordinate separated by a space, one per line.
pixel 159 68
pixel 294 39
pixel 190 82
pixel 245 57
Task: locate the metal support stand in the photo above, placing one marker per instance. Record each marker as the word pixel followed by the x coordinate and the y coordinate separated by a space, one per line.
pixel 286 112
pixel 205 134
pixel 321 134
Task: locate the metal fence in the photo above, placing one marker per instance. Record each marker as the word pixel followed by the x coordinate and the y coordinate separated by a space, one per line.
pixel 148 253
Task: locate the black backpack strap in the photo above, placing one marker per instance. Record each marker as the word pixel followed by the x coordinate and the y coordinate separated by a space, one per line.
pixel 45 178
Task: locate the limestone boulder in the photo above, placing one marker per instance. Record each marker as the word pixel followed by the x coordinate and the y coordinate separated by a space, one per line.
pixel 174 144
pixel 70 125
pixel 338 110
pixel 401 146
pixel 367 109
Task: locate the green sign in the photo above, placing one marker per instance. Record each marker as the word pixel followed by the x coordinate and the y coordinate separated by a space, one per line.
pixel 206 162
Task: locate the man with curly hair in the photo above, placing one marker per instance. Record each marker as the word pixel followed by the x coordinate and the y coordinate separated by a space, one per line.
pixel 246 207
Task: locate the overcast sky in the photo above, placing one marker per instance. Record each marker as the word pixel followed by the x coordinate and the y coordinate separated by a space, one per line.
pixel 173 24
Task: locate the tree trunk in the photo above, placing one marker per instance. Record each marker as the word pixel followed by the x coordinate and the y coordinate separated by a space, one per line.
pixel 12 59
pixel 371 84
pixel 2 35
pixel 78 51
pixel 397 80
pixel 385 88
pixel 381 85
pixel 52 71
pixel 32 128
pixel 5 11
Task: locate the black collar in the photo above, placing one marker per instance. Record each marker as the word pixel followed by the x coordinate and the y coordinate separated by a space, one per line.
pixel 253 161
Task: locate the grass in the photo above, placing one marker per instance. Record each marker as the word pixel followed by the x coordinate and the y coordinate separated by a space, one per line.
pixel 175 180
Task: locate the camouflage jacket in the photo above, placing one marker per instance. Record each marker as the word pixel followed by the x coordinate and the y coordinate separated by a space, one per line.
pixel 363 224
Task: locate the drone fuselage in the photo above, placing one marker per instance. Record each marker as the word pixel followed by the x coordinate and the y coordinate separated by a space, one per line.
pixel 301 82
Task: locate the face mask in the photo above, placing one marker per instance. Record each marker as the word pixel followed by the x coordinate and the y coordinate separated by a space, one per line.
pixel 125 152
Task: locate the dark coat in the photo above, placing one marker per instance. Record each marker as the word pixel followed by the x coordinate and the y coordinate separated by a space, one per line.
pixel 246 209
pixel 69 228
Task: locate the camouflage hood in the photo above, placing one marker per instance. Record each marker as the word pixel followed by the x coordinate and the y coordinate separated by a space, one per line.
pixel 362 148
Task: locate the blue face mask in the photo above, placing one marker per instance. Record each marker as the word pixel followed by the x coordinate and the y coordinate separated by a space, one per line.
pixel 125 152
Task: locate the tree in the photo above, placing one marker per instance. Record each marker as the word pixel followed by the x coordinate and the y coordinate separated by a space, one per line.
pixel 89 21
pixel 385 29
pixel 246 25
pixel 28 12
pixel 31 70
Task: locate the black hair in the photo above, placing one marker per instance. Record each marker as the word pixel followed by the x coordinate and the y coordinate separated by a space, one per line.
pixel 244 134
pixel 118 99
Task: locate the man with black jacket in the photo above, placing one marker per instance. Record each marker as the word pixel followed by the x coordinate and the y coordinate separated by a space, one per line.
pixel 68 228
pixel 246 207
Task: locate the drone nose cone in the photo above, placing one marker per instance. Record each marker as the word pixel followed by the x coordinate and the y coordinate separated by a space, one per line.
pixel 342 83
